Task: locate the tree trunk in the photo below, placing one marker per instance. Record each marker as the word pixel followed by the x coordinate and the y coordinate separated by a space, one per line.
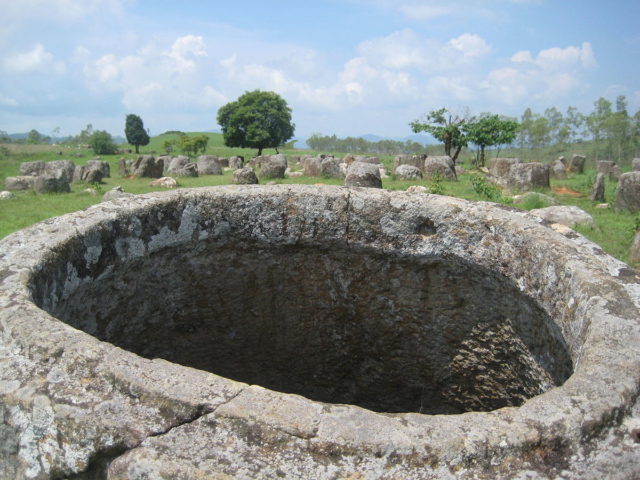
pixel 277 151
pixel 482 155
pixel 259 151
pixel 455 155
pixel 137 147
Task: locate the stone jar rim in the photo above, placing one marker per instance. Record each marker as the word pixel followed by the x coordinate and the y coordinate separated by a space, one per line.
pixel 593 298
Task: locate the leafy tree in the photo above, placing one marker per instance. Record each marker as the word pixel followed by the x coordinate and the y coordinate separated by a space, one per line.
pixel 490 130
pixel 35 137
pixel 256 120
pixel 85 134
pixel 135 132
pixel 445 127
pixel 101 143
pixel 618 128
pixel 597 122
pixel 555 122
pixel 574 121
pixel 191 145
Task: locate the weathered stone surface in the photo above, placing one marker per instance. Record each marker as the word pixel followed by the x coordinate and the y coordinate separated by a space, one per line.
pixel 365 159
pixel 125 166
pixel 273 166
pixel 5 195
pixel 628 192
pixel 101 165
pixel 500 167
pixel 236 162
pixel 440 165
pixel 62 169
pixel 209 165
pixel 115 193
pixel 166 182
pixel 535 196
pixel 44 184
pixel 189 169
pixel 513 309
pixel 417 189
pixel 94 175
pixel 634 251
pixel 413 160
pixel 348 159
pixel 604 166
pixel 614 173
pixel 635 164
pixel 147 166
pixel 224 162
pixel 526 176
pixel 33 169
pixel 311 166
pixel 22 182
pixel 362 174
pixel 597 191
pixel 568 215
pixel 177 163
pixel 245 176
pixel 558 170
pixel 88 173
pixel 408 172
pixel 576 165
pixel 330 168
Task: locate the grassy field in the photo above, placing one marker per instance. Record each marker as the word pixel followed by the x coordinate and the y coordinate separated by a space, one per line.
pixel 612 231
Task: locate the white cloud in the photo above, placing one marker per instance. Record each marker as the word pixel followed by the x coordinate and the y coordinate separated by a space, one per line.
pixel 553 73
pixel 470 45
pixel 559 58
pixel 186 50
pixel 523 56
pixel 35 60
pixel 507 85
pixel 417 11
pixel 158 79
pixel 407 49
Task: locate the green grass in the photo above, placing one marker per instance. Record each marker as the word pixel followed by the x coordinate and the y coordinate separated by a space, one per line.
pixel 613 231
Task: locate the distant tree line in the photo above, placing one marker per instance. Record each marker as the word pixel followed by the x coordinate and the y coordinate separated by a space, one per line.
pixel 614 132
pixel 360 145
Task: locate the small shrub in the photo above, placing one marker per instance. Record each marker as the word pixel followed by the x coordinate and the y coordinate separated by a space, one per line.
pixel 484 188
pixel 97 186
pixel 435 185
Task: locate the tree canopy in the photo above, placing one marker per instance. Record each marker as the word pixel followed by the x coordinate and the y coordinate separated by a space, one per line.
pixel 490 130
pixel 446 127
pixel 101 143
pixel 135 132
pixel 256 119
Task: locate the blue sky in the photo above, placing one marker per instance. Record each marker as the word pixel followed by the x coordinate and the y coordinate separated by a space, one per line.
pixel 348 67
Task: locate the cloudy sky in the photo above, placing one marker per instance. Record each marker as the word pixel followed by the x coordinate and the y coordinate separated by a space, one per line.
pixel 348 67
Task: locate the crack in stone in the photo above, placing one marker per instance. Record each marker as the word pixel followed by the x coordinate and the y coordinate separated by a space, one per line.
pixel 99 463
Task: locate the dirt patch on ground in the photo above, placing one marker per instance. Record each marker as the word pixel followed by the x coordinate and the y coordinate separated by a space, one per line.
pixel 567 191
